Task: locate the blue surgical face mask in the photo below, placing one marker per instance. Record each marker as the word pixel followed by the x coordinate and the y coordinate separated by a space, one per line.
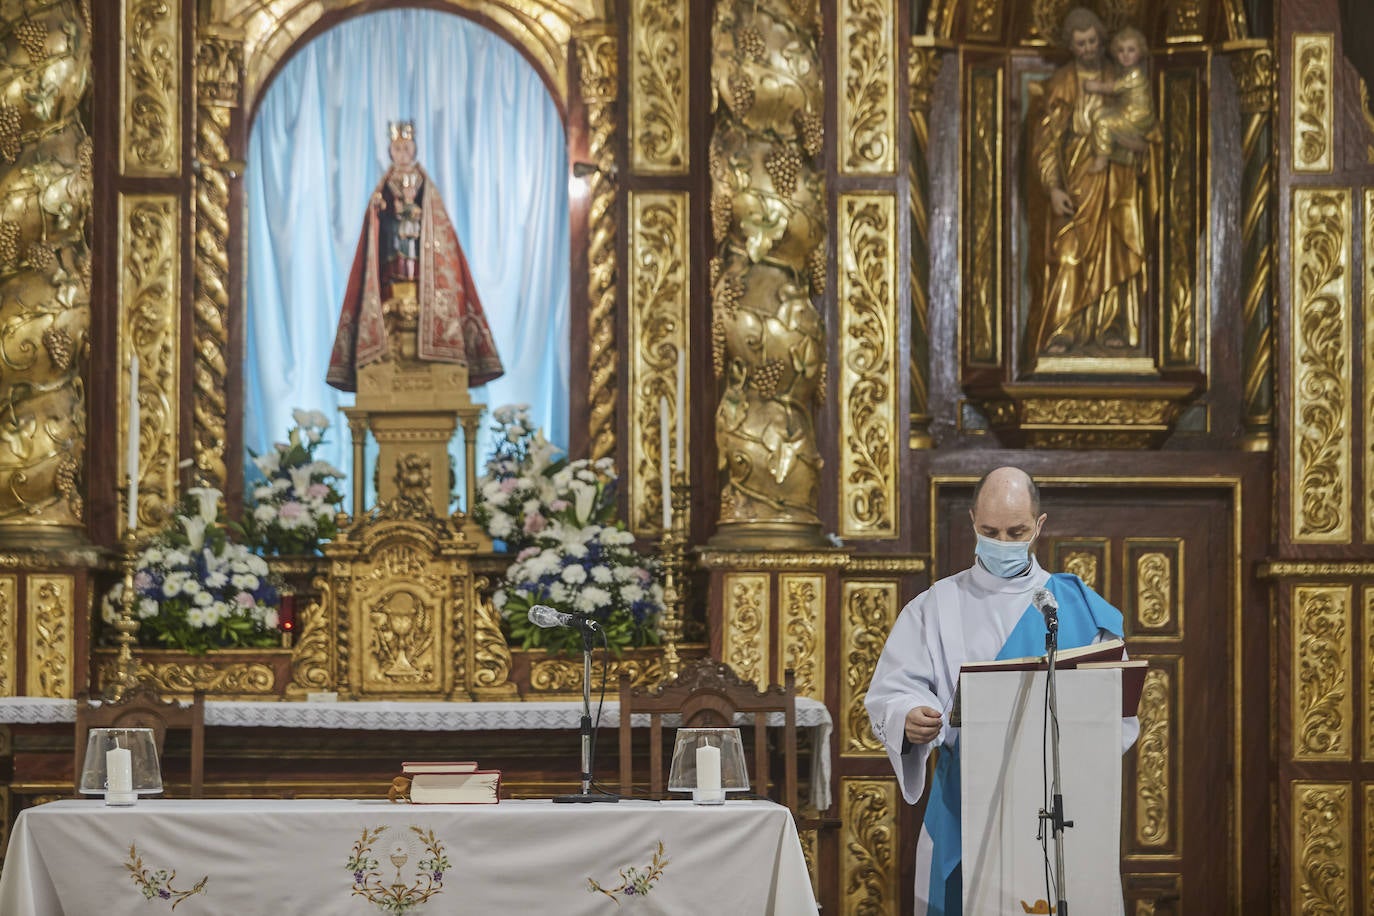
pixel 1003 558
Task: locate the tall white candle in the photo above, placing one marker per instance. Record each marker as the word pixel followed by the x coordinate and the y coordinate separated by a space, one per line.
pixel 664 472
pixel 131 453
pixel 708 774
pixel 119 771
pixel 681 409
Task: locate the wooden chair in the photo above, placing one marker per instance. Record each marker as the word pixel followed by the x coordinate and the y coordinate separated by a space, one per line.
pixel 142 707
pixel 708 694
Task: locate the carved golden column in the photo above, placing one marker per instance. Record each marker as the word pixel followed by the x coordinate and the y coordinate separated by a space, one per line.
pixel 1256 73
pixel 768 222
pixel 45 271
pixel 219 68
pixel 923 68
pixel 599 77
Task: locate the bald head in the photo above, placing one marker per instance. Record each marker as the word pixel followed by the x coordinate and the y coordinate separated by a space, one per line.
pixel 1006 505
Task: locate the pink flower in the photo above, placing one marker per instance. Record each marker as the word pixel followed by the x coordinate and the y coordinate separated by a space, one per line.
pixel 644 575
pixel 525 554
pixel 142 580
pixel 558 505
pixel 317 491
pixel 535 523
pixel 292 510
pixel 509 484
pixel 244 599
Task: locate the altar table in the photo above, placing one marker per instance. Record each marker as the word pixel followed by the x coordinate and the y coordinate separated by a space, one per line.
pixel 318 857
pixel 435 716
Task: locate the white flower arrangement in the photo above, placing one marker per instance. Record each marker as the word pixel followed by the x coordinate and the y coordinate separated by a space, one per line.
pixel 195 590
pixel 291 510
pixel 572 554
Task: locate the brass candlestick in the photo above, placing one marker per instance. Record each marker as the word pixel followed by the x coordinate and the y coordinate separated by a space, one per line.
pixel 673 557
pixel 125 675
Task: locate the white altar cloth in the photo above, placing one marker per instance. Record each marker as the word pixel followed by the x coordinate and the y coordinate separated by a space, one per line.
pixel 319 857
pixel 435 716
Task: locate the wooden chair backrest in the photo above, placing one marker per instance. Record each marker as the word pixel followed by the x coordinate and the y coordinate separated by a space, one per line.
pixel 142 707
pixel 708 694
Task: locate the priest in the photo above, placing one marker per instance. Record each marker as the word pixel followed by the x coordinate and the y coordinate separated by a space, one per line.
pixel 980 614
pixel 410 295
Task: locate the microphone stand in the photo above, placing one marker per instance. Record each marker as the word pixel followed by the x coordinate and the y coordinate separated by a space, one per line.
pixel 586 795
pixel 1056 813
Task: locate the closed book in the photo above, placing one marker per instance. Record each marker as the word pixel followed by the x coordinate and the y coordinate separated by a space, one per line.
pixel 1109 650
pixel 412 767
pixel 477 787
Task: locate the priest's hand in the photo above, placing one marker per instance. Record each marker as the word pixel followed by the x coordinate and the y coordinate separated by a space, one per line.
pixel 922 725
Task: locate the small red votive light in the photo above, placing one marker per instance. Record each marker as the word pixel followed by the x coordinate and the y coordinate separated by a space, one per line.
pixel 286 614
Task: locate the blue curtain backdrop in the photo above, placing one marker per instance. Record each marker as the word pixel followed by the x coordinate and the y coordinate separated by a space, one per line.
pixel 490 137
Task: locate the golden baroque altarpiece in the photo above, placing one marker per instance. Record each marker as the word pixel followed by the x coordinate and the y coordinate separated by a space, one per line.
pixel 855 286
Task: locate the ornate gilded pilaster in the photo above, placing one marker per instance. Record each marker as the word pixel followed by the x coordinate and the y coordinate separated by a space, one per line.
pixel 659 303
pixel 45 270
pixel 149 283
pixel 9 633
pixel 150 88
pixel 219 68
pixel 867 88
pixel 1256 76
pixel 981 327
pixel 801 632
pixel 1323 724
pixel 1182 202
pixel 1313 102
pixel 868 611
pixel 596 57
pixel 1367 694
pixel 658 87
pixel 49 646
pixel 1321 848
pixel 870 846
pixel 923 68
pixel 1321 370
pixel 869 454
pixel 768 220
pixel 745 643
pixel 1367 284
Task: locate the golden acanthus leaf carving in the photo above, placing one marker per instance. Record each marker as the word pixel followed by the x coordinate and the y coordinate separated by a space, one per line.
pixel 1154 573
pixel 9 622
pixel 51 610
pixel 868 362
pixel 241 679
pixel 659 305
pixel 1153 788
pixel 746 626
pixel 311 654
pixel 151 88
pixel 867 102
pixel 1181 133
pixel 1322 363
pixel 1082 564
pixel 561 675
pixel 150 256
pixel 596 56
pixel 1312 103
pixel 1321 846
pixel 46 161
pixel 1256 76
pixel 219 67
pixel 491 656
pixel 870 609
pixel 868 862
pixel 658 100
pixel 1086 411
pixel 803 627
pixel 1322 685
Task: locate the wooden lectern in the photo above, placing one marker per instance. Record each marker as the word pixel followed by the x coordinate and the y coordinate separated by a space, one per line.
pixel 1004 775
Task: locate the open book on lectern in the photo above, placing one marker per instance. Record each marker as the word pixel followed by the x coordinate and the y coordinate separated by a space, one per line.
pixel 1109 653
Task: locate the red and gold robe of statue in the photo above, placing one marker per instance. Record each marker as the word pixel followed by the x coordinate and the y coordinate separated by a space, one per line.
pixel 452 327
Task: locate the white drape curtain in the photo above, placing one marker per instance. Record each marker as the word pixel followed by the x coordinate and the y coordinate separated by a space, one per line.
pixel 490 137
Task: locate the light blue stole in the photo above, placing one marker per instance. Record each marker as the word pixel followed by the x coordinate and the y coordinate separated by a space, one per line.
pixel 1082 613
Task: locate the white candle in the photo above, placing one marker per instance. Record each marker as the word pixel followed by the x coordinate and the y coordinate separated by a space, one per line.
pixel 708 774
pixel 119 771
pixel 681 408
pixel 664 472
pixel 131 453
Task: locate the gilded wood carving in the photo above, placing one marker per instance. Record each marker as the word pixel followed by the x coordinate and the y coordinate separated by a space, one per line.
pixel 658 77
pixel 9 632
pixel 48 622
pixel 1321 848
pixel 801 632
pixel 151 88
pixel 745 647
pixel 1322 727
pixel 869 609
pixel 870 846
pixel 867 98
pixel 1312 102
pixel 1154 783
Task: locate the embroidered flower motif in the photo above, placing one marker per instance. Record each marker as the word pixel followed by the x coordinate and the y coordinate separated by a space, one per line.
pixel 157 885
pixel 394 893
pixel 634 882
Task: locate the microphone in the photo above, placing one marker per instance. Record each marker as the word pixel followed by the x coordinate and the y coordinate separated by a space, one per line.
pixel 1045 603
pixel 541 615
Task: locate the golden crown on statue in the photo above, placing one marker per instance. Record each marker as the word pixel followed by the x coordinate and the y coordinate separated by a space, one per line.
pixel 402 130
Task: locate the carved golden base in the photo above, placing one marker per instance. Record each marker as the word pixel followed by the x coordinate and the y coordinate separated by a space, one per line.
pixel 768 536
pixel 227 674
pixel 1083 416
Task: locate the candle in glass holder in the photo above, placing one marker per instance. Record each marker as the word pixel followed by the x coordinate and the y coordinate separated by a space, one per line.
pixel 708 776
pixel 119 777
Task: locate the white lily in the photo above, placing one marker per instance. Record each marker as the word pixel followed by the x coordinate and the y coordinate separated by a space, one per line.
pixel 208 499
pixel 195 530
